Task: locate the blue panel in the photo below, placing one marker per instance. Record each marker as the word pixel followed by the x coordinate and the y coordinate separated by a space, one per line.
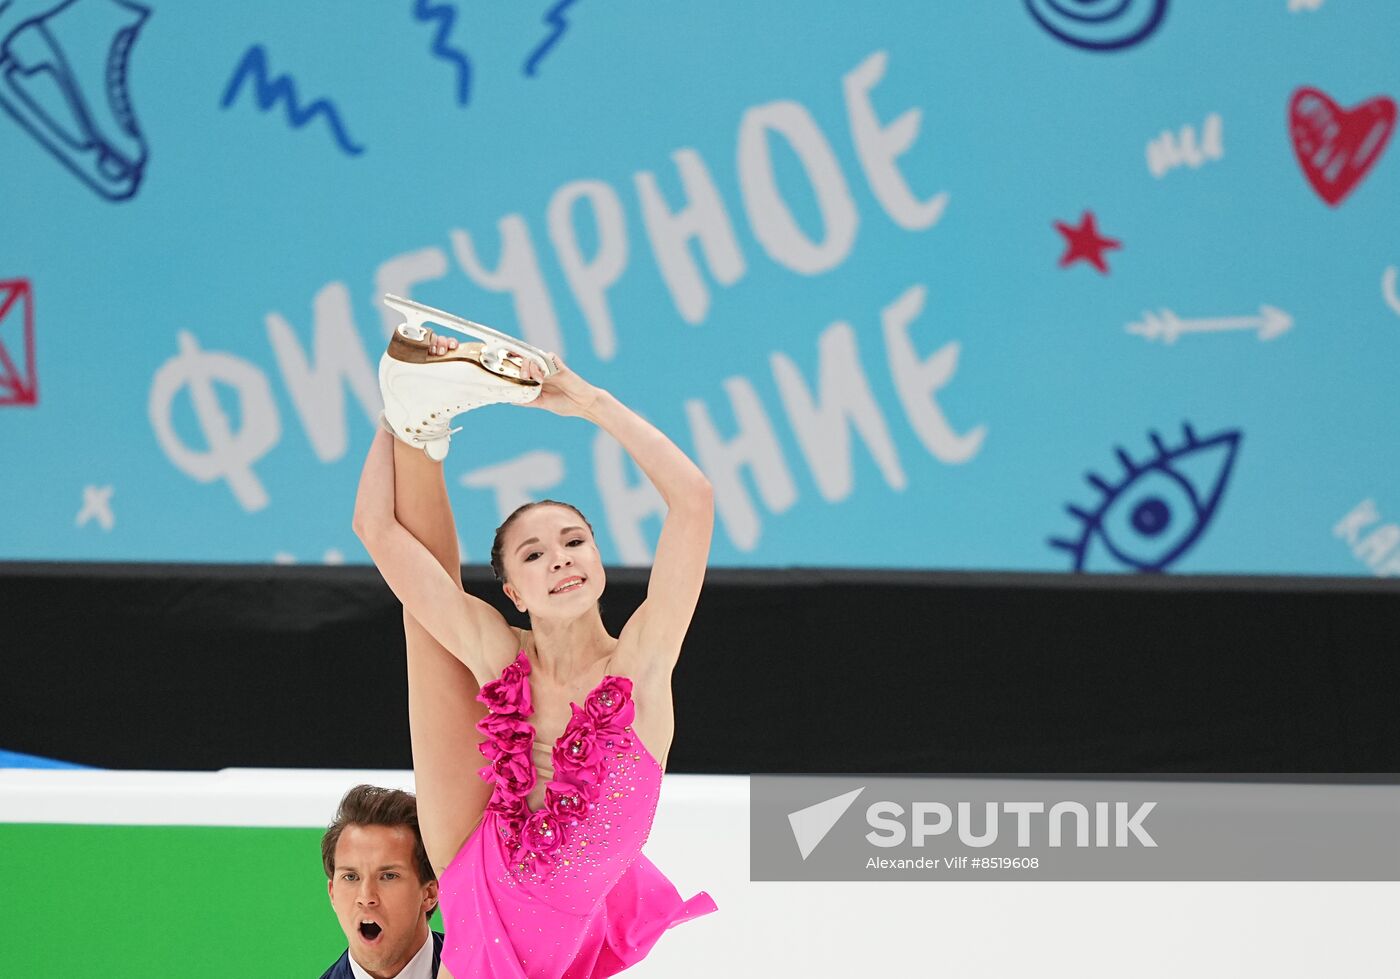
pixel 1045 285
pixel 14 759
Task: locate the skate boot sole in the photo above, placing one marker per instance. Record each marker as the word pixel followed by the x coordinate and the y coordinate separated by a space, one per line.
pixel 499 353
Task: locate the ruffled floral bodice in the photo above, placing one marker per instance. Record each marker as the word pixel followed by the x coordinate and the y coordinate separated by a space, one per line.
pixel 598 734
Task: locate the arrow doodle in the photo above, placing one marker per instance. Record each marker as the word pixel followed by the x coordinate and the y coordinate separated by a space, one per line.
pixel 1167 326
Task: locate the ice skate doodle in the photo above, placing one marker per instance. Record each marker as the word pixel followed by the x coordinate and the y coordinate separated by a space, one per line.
pixel 1336 147
pixel 1159 508
pixel 267 92
pixel 445 15
pixel 63 70
pixel 17 386
pixel 553 17
pixel 1099 25
pixel 422 393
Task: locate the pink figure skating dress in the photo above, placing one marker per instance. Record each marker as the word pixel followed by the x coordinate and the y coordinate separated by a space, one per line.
pixel 562 892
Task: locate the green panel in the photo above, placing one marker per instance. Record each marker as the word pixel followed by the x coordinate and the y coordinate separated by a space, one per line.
pixel 142 901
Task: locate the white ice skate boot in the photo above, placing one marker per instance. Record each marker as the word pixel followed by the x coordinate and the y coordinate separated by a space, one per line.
pixel 423 392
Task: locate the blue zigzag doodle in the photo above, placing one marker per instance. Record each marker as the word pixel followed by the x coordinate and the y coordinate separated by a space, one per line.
pixel 64 80
pixel 554 17
pixel 268 92
pixel 445 15
pixel 1158 510
pixel 1099 25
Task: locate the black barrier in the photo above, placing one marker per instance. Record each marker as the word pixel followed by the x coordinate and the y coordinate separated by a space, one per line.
pixel 161 666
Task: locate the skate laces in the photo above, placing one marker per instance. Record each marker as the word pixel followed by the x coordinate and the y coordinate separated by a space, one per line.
pixel 434 429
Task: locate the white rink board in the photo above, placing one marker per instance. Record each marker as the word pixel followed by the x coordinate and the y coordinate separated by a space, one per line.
pixel 966 929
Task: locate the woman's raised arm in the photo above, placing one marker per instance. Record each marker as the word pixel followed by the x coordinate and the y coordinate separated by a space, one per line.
pixel 658 627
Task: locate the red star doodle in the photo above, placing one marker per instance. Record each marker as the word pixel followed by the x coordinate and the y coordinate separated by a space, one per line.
pixel 1085 242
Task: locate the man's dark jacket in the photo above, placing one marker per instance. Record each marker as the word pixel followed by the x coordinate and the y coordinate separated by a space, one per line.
pixel 341 969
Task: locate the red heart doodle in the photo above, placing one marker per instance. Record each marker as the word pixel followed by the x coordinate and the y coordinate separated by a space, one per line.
pixel 1337 146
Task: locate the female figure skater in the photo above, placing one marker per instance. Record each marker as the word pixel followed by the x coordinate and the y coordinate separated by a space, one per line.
pixel 538 860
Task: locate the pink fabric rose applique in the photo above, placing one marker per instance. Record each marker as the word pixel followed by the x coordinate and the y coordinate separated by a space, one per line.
pixel 580 758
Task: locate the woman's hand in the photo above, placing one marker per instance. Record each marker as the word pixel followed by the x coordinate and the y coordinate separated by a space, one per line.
pixel 563 392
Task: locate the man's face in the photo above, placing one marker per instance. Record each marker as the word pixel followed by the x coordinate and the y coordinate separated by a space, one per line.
pixel 378 898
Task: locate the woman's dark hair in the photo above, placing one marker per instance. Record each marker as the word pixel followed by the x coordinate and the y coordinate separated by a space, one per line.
pixel 498 566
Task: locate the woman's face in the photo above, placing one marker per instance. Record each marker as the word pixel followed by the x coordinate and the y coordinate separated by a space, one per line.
pixel 552 564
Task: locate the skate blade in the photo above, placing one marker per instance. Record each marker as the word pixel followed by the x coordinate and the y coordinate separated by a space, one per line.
pixel 507 362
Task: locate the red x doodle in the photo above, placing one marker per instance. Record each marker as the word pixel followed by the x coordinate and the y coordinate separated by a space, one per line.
pixel 17 386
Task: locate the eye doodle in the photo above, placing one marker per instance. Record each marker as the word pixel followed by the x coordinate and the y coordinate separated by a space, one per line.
pixel 1099 25
pixel 1159 508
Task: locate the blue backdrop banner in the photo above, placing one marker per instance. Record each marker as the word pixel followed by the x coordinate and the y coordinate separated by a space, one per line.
pixel 1034 284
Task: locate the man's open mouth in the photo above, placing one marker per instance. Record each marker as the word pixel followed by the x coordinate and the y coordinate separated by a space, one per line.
pixel 370 931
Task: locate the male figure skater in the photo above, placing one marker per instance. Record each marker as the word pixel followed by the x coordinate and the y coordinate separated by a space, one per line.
pixel 381 886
